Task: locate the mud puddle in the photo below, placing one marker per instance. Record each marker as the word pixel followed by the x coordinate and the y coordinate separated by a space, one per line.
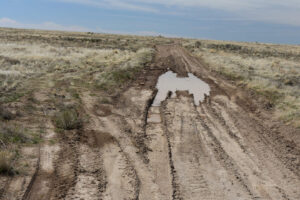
pixel 169 82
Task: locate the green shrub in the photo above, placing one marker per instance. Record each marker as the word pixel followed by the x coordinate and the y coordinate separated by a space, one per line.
pixel 68 119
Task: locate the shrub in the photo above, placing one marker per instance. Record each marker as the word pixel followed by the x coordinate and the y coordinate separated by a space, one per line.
pixel 271 95
pixel 68 119
pixel 6 159
pixel 105 100
pixel 198 44
pixel 5 114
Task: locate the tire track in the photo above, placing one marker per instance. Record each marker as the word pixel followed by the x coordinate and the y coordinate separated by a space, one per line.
pixel 175 186
pixel 147 185
pixel 272 170
pixel 227 161
pixel 191 149
pixel 158 144
pixel 67 166
pixel 91 181
pixel 120 179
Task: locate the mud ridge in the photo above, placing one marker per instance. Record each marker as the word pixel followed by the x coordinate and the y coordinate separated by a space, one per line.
pixel 149 105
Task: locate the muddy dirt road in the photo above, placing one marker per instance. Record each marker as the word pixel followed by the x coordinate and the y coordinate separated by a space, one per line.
pixel 228 147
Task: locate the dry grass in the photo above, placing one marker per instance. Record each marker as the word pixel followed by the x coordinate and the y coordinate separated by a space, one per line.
pixel 12 136
pixel 272 71
pixel 57 67
pixel 11 133
pixel 108 62
pixel 21 61
pixel 115 76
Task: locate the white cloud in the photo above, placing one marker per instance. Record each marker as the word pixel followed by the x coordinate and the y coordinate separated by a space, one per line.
pixel 149 5
pixel 10 23
pixel 116 4
pixel 277 11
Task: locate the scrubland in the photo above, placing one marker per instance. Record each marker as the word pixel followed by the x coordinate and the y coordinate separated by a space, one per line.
pixel 62 65
pixel 77 120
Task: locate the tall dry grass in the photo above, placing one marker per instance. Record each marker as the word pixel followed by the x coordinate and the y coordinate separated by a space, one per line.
pixel 272 71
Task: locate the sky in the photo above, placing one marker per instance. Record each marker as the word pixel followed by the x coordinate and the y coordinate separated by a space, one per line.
pixel 269 21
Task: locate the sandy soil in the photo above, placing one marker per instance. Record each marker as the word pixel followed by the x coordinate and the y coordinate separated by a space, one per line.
pixel 228 147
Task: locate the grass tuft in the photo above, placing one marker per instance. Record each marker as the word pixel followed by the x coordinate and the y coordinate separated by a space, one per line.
pixel 68 119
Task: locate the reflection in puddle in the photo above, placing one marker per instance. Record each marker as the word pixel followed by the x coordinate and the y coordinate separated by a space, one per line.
pixel 170 82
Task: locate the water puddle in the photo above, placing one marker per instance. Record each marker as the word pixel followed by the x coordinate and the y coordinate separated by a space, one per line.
pixel 170 82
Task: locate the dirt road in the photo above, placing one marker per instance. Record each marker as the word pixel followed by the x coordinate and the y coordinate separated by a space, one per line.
pixel 228 147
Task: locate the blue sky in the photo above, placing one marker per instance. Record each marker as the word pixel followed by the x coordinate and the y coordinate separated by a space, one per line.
pixel 272 21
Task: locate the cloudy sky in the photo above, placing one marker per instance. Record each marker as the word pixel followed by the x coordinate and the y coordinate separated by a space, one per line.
pixel 273 21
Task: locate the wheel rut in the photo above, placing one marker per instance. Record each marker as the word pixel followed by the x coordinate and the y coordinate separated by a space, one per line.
pixel 178 150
